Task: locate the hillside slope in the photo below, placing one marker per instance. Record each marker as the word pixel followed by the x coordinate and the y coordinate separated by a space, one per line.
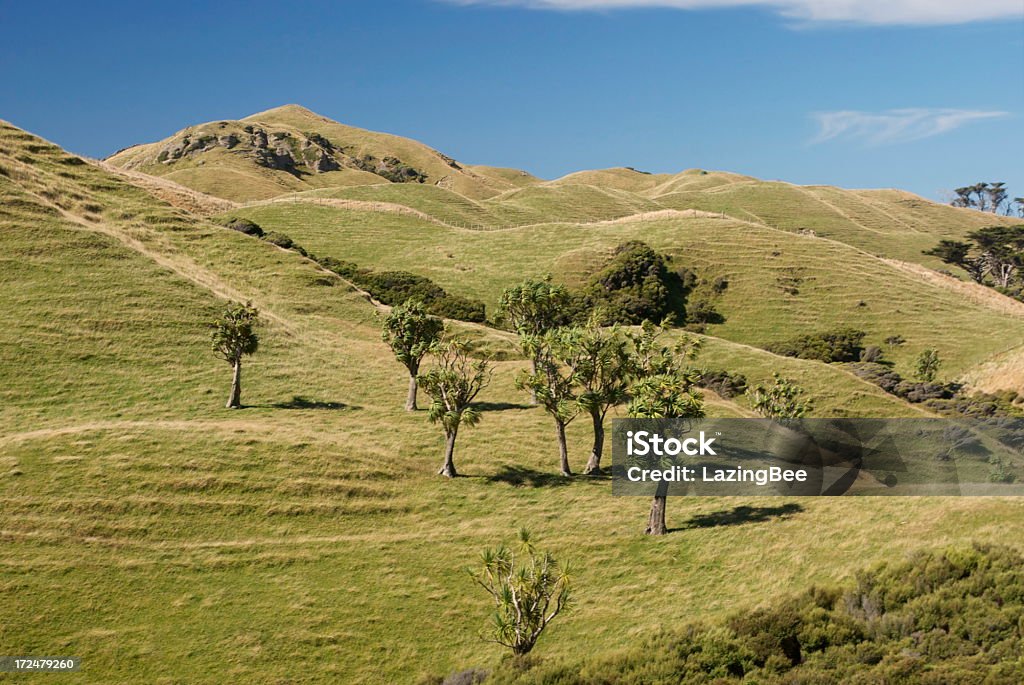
pixel 293 153
pixel 162 538
pixel 290 148
pixel 780 285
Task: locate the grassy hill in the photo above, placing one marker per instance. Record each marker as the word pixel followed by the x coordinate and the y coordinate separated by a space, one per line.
pixel 290 152
pixel 836 284
pixel 289 149
pixel 307 538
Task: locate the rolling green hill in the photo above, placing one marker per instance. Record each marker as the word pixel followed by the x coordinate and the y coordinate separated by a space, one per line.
pixel 307 537
pixel 294 154
pixel 836 284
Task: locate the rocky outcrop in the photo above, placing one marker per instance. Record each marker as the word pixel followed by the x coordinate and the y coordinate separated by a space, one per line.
pixel 282 150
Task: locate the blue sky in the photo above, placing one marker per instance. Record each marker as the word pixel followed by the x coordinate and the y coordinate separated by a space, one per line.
pixel 919 94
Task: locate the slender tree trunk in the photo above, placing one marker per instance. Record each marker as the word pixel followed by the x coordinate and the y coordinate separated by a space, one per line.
pixel 533 370
pixel 448 469
pixel 235 401
pixel 563 450
pixel 594 464
pixel 656 521
pixel 410 402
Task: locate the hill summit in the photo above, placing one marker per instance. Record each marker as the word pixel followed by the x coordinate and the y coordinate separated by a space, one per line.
pixel 290 148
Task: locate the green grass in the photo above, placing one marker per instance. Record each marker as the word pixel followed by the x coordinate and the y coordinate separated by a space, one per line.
pixel 839 284
pixel 307 538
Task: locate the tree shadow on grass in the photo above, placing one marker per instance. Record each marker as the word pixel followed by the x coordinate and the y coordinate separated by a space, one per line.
pixel 740 515
pixel 501 406
pixel 300 402
pixel 520 477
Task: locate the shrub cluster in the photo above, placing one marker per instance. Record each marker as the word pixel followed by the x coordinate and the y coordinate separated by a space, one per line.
pixel 245 226
pixel 888 379
pixel 980 405
pixel 389 287
pixel 638 283
pixel 943 398
pixel 284 241
pixel 396 287
pixel 840 345
pixel 940 617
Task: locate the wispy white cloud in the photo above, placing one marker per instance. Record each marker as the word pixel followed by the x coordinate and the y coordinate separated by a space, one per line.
pixel 895 125
pixel 878 12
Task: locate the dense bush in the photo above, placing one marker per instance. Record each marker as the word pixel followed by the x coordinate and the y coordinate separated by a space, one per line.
pixel 284 241
pixel 247 227
pixel 950 617
pixel 841 345
pixel 701 310
pixel 636 285
pixel 871 353
pixel 458 307
pixel 923 391
pixel 396 287
pixel 943 398
pixel 881 375
pixel 978 406
pixel 639 284
pixel 280 239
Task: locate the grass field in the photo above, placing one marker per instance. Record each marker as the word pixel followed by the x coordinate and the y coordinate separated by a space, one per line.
pixel 306 538
pixel 839 285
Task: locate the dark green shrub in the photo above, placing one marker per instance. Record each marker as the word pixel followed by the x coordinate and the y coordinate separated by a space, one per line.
pixel 881 375
pixel 458 307
pixel 279 239
pixel 922 392
pixel 702 311
pixel 396 287
pixel 939 617
pixel 245 226
pixel 635 285
pixel 840 345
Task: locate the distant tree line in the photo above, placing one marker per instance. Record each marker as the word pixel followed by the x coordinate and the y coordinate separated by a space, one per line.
pixel 989 197
pixel 992 256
